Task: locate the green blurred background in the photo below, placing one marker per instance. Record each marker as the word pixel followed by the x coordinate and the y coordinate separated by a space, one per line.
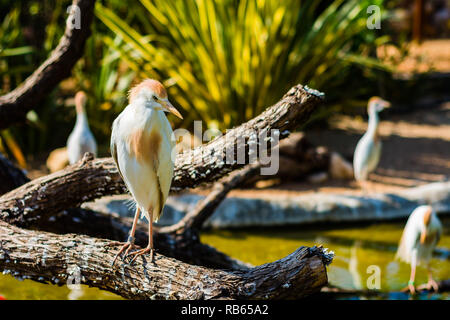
pixel 223 61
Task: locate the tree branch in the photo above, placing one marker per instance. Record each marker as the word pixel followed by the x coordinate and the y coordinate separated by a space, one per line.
pixel 15 104
pixel 91 179
pixel 46 257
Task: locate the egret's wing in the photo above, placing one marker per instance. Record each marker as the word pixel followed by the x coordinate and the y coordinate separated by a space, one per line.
pixel 113 146
pixel 165 165
pixel 438 235
pixel 164 174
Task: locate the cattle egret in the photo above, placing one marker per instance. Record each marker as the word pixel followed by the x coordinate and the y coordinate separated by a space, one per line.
pixel 368 150
pixel 420 236
pixel 142 146
pixel 81 139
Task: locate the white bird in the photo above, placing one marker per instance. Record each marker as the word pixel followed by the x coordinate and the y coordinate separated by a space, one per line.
pixel 368 150
pixel 142 145
pixel 420 236
pixel 81 139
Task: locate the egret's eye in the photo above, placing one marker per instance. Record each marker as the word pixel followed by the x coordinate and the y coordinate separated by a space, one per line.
pixel 155 98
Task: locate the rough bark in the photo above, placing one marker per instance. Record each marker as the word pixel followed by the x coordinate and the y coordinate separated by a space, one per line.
pixel 46 257
pixel 48 195
pixel 15 104
pixel 93 178
pixel 11 177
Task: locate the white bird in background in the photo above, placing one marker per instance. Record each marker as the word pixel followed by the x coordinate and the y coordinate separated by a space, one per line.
pixel 142 146
pixel 81 139
pixel 420 236
pixel 368 150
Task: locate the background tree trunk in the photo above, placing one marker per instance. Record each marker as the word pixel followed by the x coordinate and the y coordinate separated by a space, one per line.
pixel 15 104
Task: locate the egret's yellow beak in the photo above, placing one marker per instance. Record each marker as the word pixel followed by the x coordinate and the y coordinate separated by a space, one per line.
pixel 170 108
pixel 386 104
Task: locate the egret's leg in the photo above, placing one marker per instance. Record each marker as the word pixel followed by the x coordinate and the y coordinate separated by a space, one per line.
pixel 412 278
pixel 149 247
pixel 431 283
pixel 130 242
pixel 364 187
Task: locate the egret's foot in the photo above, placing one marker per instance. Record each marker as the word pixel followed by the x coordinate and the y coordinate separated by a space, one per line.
pixel 432 285
pixel 142 252
pixel 410 288
pixel 126 247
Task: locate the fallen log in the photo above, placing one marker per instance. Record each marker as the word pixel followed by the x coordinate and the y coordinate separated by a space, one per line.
pixel 74 259
pixel 91 178
pixel 15 104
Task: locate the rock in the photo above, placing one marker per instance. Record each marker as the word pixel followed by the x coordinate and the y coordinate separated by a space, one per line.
pixel 57 160
pixel 339 167
pixel 317 178
pixel 295 209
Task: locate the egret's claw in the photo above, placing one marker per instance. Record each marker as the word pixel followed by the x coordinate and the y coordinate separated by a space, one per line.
pixel 410 288
pixel 142 252
pixel 432 285
pixel 127 246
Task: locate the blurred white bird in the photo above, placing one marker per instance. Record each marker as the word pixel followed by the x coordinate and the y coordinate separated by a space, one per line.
pixel 368 150
pixel 420 236
pixel 81 139
pixel 142 146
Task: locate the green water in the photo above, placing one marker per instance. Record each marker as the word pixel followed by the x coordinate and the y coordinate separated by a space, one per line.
pixel 356 249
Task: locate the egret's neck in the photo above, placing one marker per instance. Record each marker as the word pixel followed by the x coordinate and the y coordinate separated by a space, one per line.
pixel 82 120
pixel 374 120
pixel 144 107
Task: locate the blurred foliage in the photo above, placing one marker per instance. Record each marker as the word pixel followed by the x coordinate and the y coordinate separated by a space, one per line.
pixel 223 61
pixel 227 60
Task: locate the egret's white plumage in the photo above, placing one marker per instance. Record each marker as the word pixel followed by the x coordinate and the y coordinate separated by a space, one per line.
pixel 81 139
pixel 147 176
pixel 368 150
pixel 420 237
pixel 142 145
